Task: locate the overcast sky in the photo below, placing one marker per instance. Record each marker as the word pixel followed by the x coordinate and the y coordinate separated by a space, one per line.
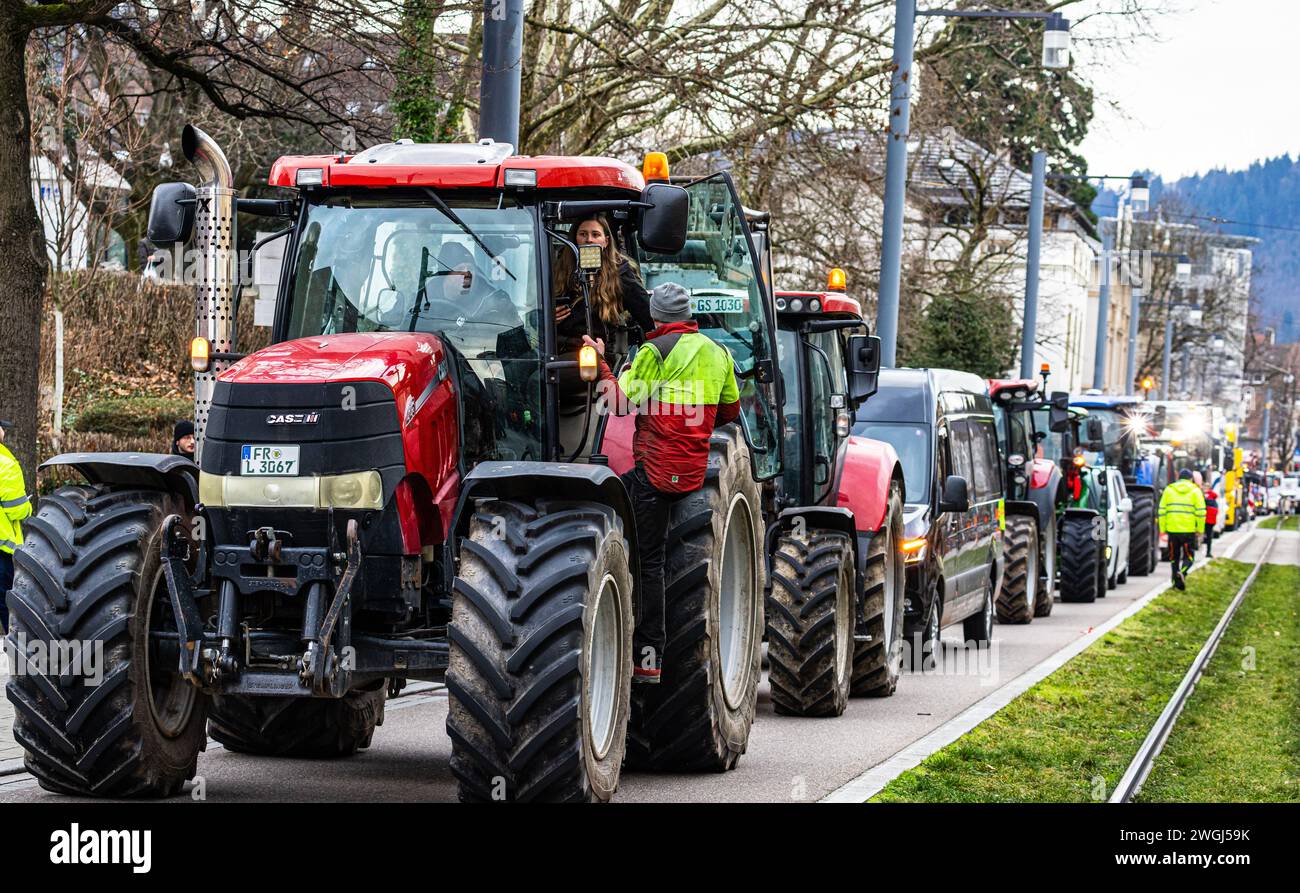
pixel 1219 89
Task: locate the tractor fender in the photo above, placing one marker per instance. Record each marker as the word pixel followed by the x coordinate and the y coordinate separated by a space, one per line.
pixel 1021 507
pixel 554 480
pixel 866 469
pixel 151 471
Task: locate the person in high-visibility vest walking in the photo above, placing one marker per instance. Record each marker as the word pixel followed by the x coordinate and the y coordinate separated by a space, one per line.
pixel 1182 517
pixel 15 505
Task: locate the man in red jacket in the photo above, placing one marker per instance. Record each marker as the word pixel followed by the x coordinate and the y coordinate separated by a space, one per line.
pixel 683 385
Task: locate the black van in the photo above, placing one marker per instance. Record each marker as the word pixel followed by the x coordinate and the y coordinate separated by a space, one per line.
pixel 941 424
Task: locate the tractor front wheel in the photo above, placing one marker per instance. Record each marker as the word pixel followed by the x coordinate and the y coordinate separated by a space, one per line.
pixel 119 720
pixel 1080 559
pixel 1018 598
pixel 541 653
pixel 810 621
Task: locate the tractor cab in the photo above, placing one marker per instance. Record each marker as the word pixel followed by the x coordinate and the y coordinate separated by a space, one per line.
pixel 472 244
pixel 829 366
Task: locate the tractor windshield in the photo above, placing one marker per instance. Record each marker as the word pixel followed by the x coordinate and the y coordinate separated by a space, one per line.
pixel 404 265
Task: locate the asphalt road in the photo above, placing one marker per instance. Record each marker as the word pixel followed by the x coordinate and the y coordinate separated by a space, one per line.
pixel 788 759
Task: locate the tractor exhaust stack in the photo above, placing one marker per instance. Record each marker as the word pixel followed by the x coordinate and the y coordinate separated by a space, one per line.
pixel 216 243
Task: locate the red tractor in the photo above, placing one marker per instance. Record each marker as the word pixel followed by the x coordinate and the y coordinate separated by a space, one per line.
pixel 411 482
pixel 1034 493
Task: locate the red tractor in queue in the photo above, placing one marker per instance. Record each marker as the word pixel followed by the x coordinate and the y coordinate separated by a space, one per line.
pixel 1035 493
pixel 412 482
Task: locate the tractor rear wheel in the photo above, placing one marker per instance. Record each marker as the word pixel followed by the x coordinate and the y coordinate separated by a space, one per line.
pixel 1018 598
pixel 810 621
pixel 541 653
pixel 878 658
pixel 1144 543
pixel 298 727
pixel 1080 556
pixel 699 716
pixel 120 721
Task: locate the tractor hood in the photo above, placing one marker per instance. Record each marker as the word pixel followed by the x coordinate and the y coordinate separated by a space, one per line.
pixel 408 362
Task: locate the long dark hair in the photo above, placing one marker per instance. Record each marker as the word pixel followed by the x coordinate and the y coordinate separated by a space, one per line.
pixel 607 296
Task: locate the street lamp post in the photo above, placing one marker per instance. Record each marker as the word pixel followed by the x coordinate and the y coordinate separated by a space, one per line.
pixel 1056 54
pixel 1035 248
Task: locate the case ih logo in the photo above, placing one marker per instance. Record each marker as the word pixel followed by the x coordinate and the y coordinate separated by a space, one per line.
pixel 293 418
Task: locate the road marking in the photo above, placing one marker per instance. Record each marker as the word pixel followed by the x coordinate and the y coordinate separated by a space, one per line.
pixel 870 783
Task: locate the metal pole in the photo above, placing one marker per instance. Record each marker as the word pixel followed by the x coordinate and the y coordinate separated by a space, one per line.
pixel 1103 307
pixel 891 231
pixel 1169 346
pixel 503 47
pixel 1135 307
pixel 1268 405
pixel 1039 170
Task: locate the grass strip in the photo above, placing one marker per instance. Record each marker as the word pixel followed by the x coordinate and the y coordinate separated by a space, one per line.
pixel 1238 739
pixel 1071 736
pixel 1273 522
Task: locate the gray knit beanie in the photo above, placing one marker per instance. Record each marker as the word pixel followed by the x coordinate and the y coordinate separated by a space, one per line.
pixel 670 303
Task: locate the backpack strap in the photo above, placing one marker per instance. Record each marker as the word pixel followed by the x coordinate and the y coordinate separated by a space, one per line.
pixel 664 344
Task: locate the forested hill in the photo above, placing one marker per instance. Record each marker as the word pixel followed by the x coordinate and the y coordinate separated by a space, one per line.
pixel 1267 196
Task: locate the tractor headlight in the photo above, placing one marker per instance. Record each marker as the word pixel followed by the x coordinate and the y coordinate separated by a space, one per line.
pixel 358 490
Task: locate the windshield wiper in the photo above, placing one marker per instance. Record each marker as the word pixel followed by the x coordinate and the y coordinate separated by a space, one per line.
pixel 454 218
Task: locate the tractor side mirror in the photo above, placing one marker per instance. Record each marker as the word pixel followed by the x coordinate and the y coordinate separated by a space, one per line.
pixel 863 365
pixel 1126 504
pixel 1227 462
pixel 662 226
pixel 1096 435
pixel 171 214
pixel 956 496
pixel 1058 419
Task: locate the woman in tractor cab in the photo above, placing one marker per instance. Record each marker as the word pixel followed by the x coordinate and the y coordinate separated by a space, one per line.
pixel 619 301
pixel 620 317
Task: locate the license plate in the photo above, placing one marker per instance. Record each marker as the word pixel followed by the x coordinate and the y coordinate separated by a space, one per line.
pixel 717 305
pixel 277 459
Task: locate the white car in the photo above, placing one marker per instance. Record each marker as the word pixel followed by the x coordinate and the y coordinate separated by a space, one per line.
pixel 1118 507
pixel 1289 495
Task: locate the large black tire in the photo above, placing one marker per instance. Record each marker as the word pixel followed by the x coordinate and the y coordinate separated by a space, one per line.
pixel 698 718
pixel 977 629
pixel 1079 555
pixel 810 623
pixel 924 646
pixel 90 573
pixel 1047 569
pixel 1018 598
pixel 1143 547
pixel 298 727
pixel 878 659
pixel 541 653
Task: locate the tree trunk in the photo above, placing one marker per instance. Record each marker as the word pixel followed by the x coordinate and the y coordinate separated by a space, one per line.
pixel 22 245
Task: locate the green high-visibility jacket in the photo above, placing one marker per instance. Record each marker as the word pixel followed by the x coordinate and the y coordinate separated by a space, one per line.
pixel 1182 508
pixel 15 504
